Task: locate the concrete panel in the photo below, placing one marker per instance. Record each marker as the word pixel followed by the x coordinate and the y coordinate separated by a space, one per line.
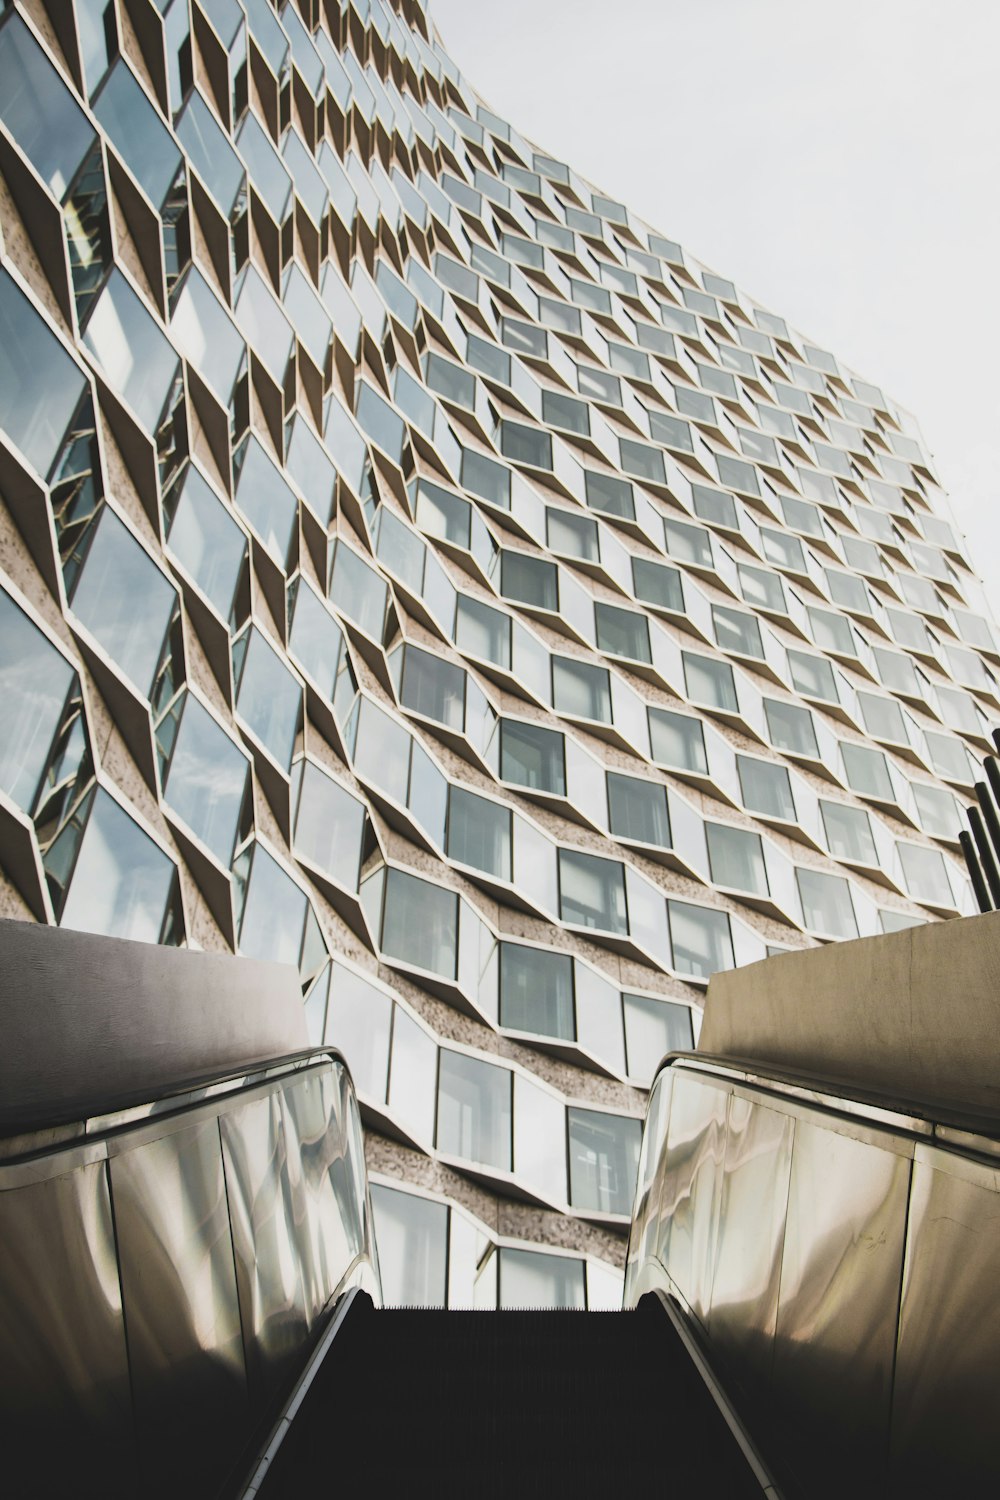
pixel 92 1023
pixel 914 1015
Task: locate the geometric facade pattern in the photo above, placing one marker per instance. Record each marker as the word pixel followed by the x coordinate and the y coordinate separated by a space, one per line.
pixel 415 569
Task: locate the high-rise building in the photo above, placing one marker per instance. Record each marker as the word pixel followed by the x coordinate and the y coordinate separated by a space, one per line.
pixel 418 570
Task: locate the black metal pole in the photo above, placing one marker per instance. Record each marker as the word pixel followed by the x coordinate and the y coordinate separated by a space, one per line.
pixel 975 871
pixel 985 853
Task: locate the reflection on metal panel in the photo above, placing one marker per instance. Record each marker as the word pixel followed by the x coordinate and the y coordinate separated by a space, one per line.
pixel 181 1312
pixel 65 1417
pixel 268 1273
pixel 320 1185
pixel 944 1430
pixel 650 1176
pixel 751 1234
pixel 689 1202
pixel 838 1307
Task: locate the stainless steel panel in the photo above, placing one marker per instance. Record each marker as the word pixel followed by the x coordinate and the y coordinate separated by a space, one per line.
pixel 65 1407
pixel 354 1183
pixel 837 1309
pixel 181 1311
pixel 751 1235
pixel 692 1188
pixel 269 1274
pixel 643 1239
pixel 946 1408
pixel 321 1181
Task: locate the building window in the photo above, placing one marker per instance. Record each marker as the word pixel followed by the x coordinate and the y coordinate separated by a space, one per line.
pixel 536 991
pixel 474 1110
pixel 592 891
pixel 603 1160
pixel 826 903
pixel 532 756
pixel 765 787
pixel 637 809
pixel 677 740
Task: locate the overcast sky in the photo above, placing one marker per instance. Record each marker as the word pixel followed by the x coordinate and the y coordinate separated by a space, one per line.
pixel 840 163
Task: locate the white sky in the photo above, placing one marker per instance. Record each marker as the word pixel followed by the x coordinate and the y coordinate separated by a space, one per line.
pixel 839 162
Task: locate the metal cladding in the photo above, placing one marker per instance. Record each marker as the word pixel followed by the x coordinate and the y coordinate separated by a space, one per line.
pixel 416 570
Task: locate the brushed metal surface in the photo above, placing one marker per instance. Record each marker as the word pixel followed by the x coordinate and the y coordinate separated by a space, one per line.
pixel 65 1405
pixel 649 1182
pixel 269 1275
pixel 838 1306
pixel 751 1236
pixel 181 1311
pixel 692 1188
pixel 946 1407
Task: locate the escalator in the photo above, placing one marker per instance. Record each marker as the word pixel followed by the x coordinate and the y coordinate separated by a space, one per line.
pixel 507 1403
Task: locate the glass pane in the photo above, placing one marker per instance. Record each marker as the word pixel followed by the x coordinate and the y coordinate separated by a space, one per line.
pixel 420 926
pixel 637 809
pixel 412 1237
pixel 791 728
pixel 137 133
pixel 736 858
pixel 40 385
pixel 657 584
pixel 122 884
pixel 206 779
pixel 529 579
pixel 848 832
pixel 329 827
pixel 710 682
pixel 581 689
pixel 474 1110
pixel 700 938
pixel 124 601
pixel 315 638
pixel 205 540
pixel 652 1029
pixel 274 912
pixel 603 1160
pixel 622 632
pixel 269 699
pixel 532 756
pixel 433 687
pixel 677 740
pixel 412 1075
pixel 765 786
pixel 35 680
pixel 536 991
pixel 357 589
pixel 129 347
pixel 479 833
pixel 592 891
pixel 358 1022
pixel 530 1279
pixel 39 110
pixel 826 903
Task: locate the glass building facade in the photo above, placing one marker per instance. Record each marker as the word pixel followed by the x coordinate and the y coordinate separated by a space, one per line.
pixel 417 570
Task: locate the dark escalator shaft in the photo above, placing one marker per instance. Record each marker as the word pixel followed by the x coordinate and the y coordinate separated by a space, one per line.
pixel 508 1403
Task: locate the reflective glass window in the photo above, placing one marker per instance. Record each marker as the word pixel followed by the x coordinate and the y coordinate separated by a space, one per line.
pixel 622 632
pixel 359 1023
pixel 701 939
pixel 124 600
pixel 482 631
pixel 688 543
pixel 652 1029
pixel 486 478
pixel 763 589
pixel 925 874
pixel 205 540
pixel 209 152
pixel 677 740
pixel 526 445
pixel 314 637
pixel 637 809
pixel 848 832
pixel 205 778
pixel 581 689
pixel 412 1235
pixel 35 680
pixel 268 697
pixel 358 591
pixel 39 110
pixel 791 728
pixel 412 1075
pixel 592 891
pixel 420 925
pixel 603 1160
pixel 479 832
pixel 137 132
pixel 329 826
pixel 529 1278
pixel 736 631
pixel 474 1110
pixel 572 535
pixel 655 583
pixel 644 462
pixel 134 354
pixel 533 756
pixel 883 717
pixel 122 885
pixel 530 580
pixel 736 858
pixel 783 551
pixel 610 495
pixel 938 811
pixel 536 991
pixel 765 787
pixel 433 687
pixel 826 903
pixel 264 497
pixel 812 675
pixel 710 682
pixel 565 411
pixel 40 385
pixel 867 772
